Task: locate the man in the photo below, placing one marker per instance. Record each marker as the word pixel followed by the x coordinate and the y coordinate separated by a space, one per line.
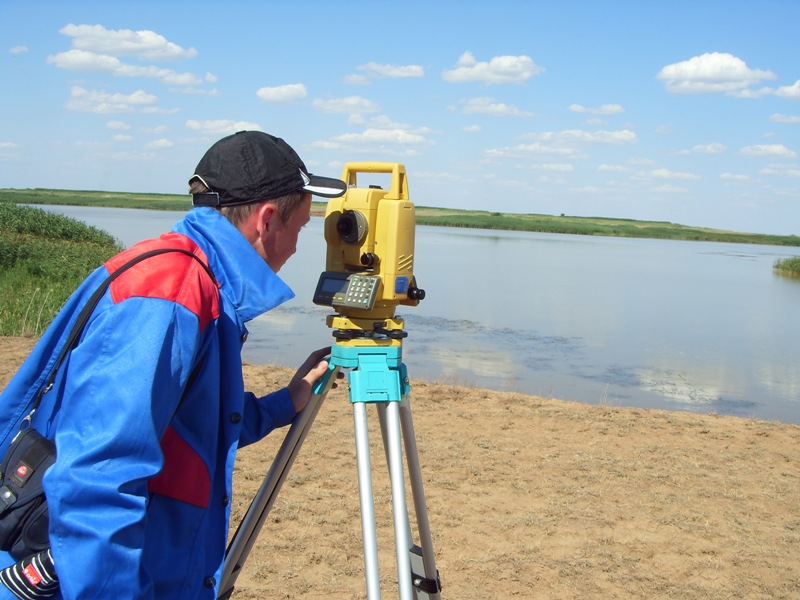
pixel 149 409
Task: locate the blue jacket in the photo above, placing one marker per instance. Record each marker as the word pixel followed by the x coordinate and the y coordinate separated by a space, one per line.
pixel 140 493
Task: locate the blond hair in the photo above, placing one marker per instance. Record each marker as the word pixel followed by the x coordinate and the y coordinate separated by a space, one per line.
pixel 238 214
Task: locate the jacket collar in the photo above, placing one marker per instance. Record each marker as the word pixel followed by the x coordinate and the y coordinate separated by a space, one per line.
pixel 245 278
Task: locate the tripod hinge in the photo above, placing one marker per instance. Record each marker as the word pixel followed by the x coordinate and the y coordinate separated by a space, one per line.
pixel 426 584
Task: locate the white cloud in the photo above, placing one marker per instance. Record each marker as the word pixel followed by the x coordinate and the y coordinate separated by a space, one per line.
pixel 123 137
pixel 159 144
pixel 17 50
pixel 667 174
pixel 749 94
pixel 500 69
pixel 487 106
pixel 770 150
pixel 118 125
pixel 712 148
pixel 384 122
pixel 8 145
pixel 356 79
pixel 84 100
pixel 374 70
pixel 381 136
pixel 670 189
pixel 220 127
pixel 734 177
pixel 534 149
pixel 791 171
pixel 613 168
pixel 713 72
pixel 580 137
pixel 349 105
pixel 605 109
pixel 472 129
pixel 789 91
pixel 568 143
pixel 560 167
pixel 125 42
pixel 778 118
pixel 96 49
pixel 283 94
pixel 83 61
pixel 588 189
pixel 197 91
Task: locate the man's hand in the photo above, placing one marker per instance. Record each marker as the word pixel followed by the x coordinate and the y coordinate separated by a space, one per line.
pixel 302 384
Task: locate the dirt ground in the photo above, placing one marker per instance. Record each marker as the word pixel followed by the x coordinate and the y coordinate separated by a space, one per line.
pixel 533 498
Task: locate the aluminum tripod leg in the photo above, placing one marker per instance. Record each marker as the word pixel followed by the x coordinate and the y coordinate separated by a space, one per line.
pixel 365 496
pixel 424 574
pixel 390 426
pixel 262 503
pixel 402 529
pixel 428 565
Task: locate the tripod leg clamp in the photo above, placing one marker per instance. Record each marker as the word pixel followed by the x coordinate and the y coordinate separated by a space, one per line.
pixel 423 583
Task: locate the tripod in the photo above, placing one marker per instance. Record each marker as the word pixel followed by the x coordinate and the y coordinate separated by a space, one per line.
pixel 379 377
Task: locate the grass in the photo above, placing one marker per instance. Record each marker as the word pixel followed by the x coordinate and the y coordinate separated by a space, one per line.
pixel 433 216
pixel 788 266
pixel 43 258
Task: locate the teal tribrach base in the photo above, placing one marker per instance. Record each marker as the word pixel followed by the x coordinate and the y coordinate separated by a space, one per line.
pixel 377 372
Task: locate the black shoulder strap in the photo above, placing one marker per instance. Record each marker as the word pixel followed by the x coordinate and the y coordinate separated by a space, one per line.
pixel 86 311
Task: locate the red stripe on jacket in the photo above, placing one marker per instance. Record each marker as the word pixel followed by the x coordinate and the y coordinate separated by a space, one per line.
pixel 184 476
pixel 171 276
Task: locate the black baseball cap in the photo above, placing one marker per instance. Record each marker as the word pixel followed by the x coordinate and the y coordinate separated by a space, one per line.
pixel 250 166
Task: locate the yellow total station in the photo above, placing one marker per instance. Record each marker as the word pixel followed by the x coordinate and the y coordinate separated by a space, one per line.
pixel 370 257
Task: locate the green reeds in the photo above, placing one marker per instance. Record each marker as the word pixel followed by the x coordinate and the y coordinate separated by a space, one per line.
pixel 788 266
pixel 43 258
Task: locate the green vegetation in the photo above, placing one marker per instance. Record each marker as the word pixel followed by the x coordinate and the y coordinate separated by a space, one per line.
pixel 43 258
pixel 432 216
pixel 593 226
pixel 788 266
pixel 94 198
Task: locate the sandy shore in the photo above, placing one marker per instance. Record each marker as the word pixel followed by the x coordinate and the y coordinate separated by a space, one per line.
pixel 534 498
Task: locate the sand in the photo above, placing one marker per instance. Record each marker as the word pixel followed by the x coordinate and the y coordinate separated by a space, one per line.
pixel 532 498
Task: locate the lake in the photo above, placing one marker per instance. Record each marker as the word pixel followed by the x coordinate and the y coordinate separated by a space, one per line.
pixel 693 326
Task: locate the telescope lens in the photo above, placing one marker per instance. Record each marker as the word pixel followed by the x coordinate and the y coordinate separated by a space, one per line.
pixel 351 226
pixel 345 227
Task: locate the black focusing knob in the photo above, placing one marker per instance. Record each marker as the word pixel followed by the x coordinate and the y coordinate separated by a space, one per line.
pixel 369 259
pixel 415 293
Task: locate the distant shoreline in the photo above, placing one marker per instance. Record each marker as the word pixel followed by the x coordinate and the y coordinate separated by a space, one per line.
pixel 443 217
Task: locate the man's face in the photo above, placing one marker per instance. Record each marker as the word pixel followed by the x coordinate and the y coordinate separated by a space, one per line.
pixel 281 243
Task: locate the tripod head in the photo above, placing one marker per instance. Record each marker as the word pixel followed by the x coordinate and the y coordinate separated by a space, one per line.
pixel 370 256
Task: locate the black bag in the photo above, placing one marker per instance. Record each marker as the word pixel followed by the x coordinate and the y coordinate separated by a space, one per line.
pixel 23 509
pixel 24 518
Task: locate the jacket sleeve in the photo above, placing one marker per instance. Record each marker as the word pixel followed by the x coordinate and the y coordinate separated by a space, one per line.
pixel 264 414
pixel 123 384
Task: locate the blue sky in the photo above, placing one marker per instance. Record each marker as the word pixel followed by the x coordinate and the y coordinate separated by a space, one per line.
pixel 682 111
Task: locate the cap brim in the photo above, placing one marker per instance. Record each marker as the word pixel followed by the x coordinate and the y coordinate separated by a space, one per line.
pixel 326 187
